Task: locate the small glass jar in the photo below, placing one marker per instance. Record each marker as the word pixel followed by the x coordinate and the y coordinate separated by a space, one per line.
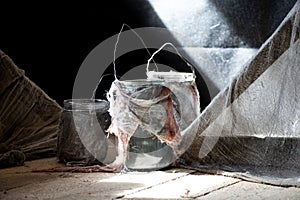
pixel 82 138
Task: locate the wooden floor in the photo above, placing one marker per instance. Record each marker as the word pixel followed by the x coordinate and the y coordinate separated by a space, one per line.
pixel 177 183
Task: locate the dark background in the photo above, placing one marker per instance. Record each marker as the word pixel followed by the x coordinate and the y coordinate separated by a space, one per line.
pixel 51 40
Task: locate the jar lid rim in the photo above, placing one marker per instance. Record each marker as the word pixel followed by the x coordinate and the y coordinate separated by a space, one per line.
pixel 85 104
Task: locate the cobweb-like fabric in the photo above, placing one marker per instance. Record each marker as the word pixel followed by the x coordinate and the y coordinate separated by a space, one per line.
pixel 164 109
pixel 253 126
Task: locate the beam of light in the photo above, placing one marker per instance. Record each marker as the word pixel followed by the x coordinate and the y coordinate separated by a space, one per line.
pixel 203 32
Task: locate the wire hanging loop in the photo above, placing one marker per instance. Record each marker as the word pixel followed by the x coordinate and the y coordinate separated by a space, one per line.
pixel 172 45
pixel 116 45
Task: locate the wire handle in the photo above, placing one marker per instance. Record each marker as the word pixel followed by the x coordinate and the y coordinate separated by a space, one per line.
pixel 172 45
pixel 116 45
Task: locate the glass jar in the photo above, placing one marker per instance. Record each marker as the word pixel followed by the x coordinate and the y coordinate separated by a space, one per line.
pixel 82 138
